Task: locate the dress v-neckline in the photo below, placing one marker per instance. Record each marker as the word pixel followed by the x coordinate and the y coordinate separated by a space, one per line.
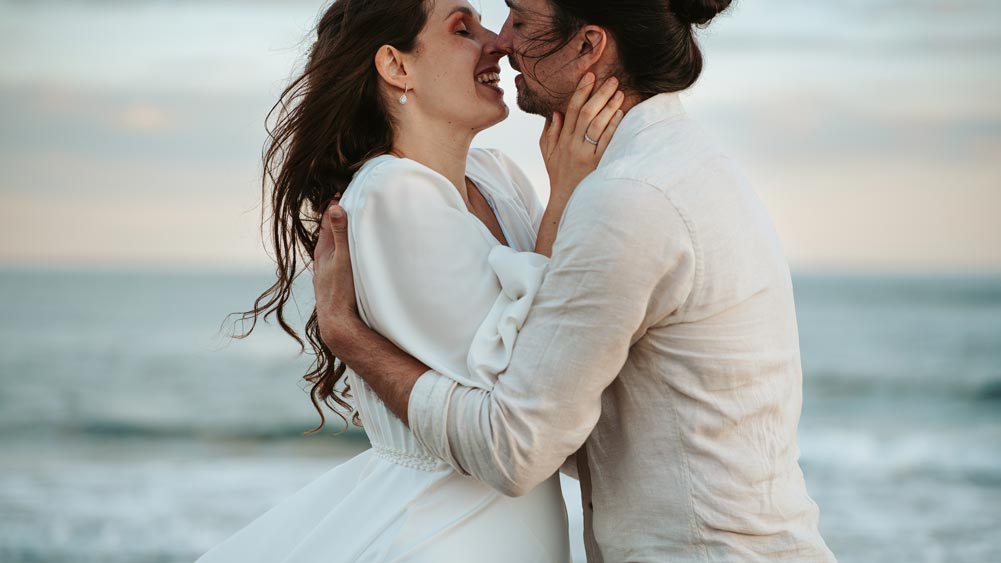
pixel 493 207
pixel 478 182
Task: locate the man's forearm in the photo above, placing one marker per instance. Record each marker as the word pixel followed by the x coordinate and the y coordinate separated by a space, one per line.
pixel 387 369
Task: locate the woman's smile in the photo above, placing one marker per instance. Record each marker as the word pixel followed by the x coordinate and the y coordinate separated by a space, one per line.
pixel 490 78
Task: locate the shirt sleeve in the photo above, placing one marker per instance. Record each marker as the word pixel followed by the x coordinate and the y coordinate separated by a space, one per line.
pixel 428 279
pixel 624 259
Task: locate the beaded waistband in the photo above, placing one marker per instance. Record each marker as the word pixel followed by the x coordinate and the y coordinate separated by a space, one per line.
pixel 412 460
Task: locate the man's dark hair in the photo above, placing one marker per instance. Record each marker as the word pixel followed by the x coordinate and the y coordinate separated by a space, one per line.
pixel 658 51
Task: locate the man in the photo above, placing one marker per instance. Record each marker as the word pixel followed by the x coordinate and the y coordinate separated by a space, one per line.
pixel 662 346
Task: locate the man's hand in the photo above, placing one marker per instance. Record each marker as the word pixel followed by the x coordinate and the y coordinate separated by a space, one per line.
pixel 333 280
pixel 390 371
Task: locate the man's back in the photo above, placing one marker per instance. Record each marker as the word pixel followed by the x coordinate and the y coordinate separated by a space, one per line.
pixel 694 456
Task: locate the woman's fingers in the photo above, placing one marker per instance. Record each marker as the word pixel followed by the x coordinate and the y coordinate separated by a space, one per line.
pixel 601 97
pixel 596 128
pixel 606 135
pixel 578 99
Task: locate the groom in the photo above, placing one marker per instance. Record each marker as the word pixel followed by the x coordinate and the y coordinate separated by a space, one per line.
pixel 662 346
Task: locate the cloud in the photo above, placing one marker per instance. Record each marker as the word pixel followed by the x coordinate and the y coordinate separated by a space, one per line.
pixel 870 128
pixel 174 127
pixel 143 118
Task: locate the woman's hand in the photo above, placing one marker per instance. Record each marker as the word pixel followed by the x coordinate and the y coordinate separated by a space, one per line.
pixel 573 145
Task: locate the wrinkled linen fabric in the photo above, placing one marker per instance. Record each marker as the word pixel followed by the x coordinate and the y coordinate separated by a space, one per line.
pixel 431 277
pixel 664 340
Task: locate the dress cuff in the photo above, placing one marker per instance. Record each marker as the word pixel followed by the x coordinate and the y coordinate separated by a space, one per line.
pixel 428 411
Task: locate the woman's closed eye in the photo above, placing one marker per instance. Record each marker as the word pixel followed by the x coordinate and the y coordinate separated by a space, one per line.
pixel 462 27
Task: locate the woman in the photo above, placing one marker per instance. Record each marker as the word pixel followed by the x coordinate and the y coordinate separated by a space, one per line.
pixel 443 242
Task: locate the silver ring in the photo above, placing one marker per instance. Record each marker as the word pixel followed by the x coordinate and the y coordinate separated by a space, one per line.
pixel 589 139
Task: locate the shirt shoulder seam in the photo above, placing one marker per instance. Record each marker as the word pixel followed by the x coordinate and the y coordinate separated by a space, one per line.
pixel 698 282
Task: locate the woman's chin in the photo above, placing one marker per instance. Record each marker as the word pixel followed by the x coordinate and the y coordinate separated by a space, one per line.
pixel 500 114
pixel 503 112
pixel 492 114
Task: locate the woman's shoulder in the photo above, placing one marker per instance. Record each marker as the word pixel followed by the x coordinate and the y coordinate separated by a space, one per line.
pixel 490 161
pixel 496 164
pixel 392 176
pixel 402 171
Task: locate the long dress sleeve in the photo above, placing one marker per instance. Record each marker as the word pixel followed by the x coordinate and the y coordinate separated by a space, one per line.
pixel 430 277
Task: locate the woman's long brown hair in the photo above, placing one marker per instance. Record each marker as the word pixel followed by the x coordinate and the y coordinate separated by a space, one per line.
pixel 325 125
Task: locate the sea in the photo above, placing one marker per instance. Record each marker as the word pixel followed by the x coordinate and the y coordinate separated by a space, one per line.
pixel 133 428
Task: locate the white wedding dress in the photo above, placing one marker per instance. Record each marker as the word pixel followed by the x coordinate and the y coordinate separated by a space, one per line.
pixel 432 278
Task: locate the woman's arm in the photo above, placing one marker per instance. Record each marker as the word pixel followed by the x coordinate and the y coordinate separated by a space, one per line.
pixel 569 156
pixel 420 264
pixel 427 280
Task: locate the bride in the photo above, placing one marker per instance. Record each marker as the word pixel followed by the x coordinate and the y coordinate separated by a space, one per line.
pixel 448 247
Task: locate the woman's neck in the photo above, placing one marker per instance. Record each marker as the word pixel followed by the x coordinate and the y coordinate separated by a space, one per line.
pixel 439 147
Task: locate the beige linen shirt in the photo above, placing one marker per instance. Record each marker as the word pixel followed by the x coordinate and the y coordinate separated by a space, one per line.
pixel 664 339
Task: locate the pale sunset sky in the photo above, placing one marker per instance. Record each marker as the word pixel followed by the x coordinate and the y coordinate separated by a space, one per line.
pixel 132 131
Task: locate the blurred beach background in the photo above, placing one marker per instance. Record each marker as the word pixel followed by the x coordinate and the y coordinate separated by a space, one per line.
pixel 133 430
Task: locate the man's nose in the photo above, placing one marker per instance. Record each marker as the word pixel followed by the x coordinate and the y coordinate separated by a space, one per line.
pixel 505 39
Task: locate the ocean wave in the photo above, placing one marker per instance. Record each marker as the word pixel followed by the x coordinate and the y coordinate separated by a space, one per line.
pixel 968 291
pixel 870 455
pixel 829 384
pixel 990 391
pixel 130 430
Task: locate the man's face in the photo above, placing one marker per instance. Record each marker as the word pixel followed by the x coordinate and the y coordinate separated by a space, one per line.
pixel 545 83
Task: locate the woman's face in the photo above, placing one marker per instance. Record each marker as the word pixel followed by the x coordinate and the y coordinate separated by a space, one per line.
pixel 455 68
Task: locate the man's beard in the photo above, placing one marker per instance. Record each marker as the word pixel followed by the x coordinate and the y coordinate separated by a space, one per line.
pixel 535 103
pixel 532 101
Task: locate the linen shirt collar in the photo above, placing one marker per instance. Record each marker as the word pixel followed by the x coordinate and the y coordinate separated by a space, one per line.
pixel 656 109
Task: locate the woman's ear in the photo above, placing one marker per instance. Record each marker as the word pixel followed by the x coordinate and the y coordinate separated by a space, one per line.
pixel 391 66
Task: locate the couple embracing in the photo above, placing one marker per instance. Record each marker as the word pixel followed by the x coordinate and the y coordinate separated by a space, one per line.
pixel 638 332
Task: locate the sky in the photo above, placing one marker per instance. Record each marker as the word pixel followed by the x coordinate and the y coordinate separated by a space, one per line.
pixel 132 131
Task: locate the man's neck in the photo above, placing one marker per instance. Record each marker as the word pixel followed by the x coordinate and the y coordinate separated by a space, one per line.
pixel 631 101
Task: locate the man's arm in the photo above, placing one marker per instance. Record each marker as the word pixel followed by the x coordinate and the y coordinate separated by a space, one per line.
pixel 387 369
pixel 351 340
pixel 620 243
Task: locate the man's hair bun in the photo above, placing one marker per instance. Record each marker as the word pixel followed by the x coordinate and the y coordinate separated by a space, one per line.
pixel 698 12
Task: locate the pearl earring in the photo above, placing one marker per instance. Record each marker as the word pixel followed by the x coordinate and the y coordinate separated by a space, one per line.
pixel 403 98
